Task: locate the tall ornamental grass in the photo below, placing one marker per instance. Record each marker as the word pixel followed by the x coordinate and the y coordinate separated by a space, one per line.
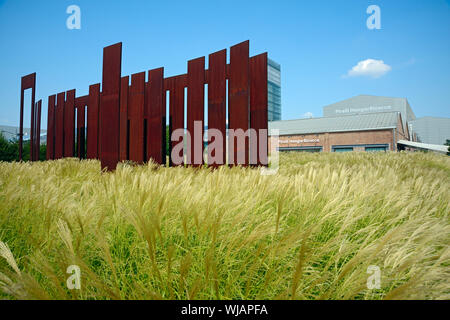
pixel 308 232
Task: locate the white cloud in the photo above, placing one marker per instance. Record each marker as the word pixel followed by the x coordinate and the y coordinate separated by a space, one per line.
pixel 369 68
pixel 308 115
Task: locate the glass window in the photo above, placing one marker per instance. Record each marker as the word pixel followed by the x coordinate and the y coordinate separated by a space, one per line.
pixel 342 149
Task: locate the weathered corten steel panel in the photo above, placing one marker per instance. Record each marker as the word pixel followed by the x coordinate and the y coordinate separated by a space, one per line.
pixel 123 140
pixel 146 94
pixel 81 129
pixel 217 106
pixel 136 117
pixel 80 105
pixel 51 127
pixel 59 125
pixel 81 101
pixel 93 112
pixel 195 110
pixel 33 132
pixel 156 123
pixel 110 102
pixel 35 158
pixel 38 130
pixel 82 136
pixel 258 109
pixel 27 82
pixel 176 114
pixel 69 124
pixel 238 101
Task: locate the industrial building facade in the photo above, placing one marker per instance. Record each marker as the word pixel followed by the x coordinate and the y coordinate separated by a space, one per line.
pixel 362 132
pixel 361 123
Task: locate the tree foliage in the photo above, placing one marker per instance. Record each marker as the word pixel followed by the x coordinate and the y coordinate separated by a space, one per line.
pixel 9 150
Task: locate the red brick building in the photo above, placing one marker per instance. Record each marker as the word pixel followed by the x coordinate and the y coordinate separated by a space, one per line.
pixel 361 132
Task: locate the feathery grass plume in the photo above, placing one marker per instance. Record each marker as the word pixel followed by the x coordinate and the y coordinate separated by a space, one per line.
pixel 6 253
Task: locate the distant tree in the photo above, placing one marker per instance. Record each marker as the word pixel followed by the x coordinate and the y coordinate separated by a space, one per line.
pixel 9 150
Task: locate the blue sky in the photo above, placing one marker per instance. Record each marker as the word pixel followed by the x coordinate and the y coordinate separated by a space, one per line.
pixel 316 43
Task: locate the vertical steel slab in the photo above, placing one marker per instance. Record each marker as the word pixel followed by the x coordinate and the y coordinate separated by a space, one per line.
pixel 238 102
pixel 27 82
pixel 38 130
pixel 195 110
pixel 93 110
pixel 217 106
pixel 136 117
pixel 123 128
pixel 156 121
pixel 110 102
pixel 80 104
pixel 81 144
pixel 32 85
pixel 176 116
pixel 51 127
pixel 69 124
pixel 59 125
pixel 21 120
pixel 258 109
pixel 33 132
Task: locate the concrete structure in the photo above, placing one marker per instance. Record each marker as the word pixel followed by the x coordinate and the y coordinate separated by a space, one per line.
pixel 370 104
pixel 274 90
pixel 361 132
pixel 11 133
pixel 422 146
pixel 431 130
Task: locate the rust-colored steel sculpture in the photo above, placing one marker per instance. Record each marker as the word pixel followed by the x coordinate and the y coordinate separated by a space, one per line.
pixel 69 124
pixel 37 133
pixel 33 132
pixel 176 116
pixel 217 117
pixel 109 105
pixel 123 126
pixel 59 125
pixel 80 107
pixel 128 122
pixel 238 103
pixel 51 128
pixel 136 117
pixel 27 82
pixel 258 109
pixel 195 110
pixel 93 122
pixel 156 117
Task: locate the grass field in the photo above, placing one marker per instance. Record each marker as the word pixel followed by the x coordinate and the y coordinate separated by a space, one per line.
pixel 309 232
